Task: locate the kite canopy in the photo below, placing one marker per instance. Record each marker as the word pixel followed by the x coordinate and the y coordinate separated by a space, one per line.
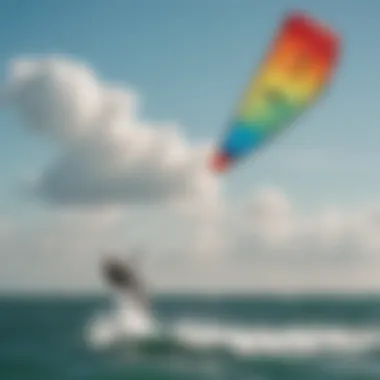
pixel 296 70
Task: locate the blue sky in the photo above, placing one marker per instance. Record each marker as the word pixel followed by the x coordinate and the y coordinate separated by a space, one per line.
pixel 190 61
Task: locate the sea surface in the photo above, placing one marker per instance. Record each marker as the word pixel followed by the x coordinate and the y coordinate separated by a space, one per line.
pixel 256 338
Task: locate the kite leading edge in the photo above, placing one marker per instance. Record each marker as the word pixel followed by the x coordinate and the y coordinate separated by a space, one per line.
pixel 296 70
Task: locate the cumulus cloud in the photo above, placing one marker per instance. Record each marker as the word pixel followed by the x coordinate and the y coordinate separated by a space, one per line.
pixel 59 252
pixel 267 246
pixel 273 229
pixel 272 246
pixel 108 154
pixel 270 217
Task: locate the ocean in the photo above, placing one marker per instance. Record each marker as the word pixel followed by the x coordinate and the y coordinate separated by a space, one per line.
pixel 188 338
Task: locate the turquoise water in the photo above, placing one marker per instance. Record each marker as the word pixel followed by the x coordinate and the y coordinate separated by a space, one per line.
pixel 260 338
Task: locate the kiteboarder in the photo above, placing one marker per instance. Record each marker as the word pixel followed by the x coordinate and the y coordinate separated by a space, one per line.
pixel 121 276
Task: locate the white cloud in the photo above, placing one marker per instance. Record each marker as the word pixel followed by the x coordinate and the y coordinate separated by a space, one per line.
pixel 268 246
pixel 61 252
pixel 275 233
pixel 270 217
pixel 108 155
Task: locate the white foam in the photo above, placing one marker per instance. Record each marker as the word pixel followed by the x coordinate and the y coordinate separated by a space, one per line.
pixel 127 323
pixel 279 341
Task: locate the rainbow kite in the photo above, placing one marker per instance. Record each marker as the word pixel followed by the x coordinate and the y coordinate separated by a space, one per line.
pixel 297 69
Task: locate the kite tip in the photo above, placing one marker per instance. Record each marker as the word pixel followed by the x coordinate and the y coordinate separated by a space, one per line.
pixel 305 20
pixel 220 162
